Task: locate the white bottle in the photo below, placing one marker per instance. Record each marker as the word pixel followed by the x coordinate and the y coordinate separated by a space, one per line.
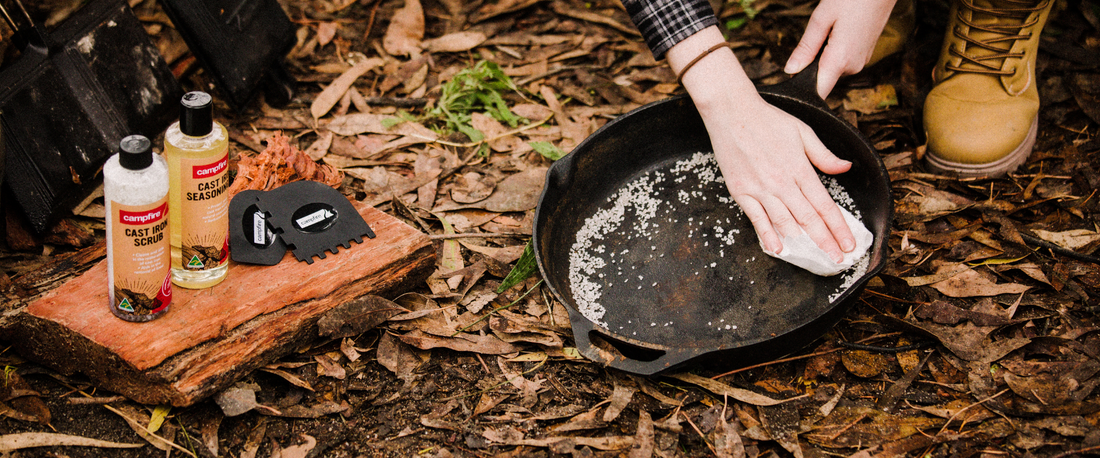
pixel 135 189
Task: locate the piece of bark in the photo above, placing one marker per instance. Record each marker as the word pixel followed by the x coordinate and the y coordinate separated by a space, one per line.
pixel 59 268
pixel 210 338
pixel 68 233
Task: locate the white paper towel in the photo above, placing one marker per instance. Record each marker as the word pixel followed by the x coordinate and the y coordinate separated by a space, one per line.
pixel 803 252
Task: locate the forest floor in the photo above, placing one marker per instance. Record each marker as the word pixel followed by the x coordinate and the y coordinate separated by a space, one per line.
pixel 977 338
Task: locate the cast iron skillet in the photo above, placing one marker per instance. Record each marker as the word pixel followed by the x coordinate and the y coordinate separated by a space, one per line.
pixel 680 293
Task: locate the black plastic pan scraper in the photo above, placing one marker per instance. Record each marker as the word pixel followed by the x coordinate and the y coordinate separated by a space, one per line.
pixel 306 216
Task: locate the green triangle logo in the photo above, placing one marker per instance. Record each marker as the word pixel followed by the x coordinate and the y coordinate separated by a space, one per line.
pixel 125 305
pixel 195 263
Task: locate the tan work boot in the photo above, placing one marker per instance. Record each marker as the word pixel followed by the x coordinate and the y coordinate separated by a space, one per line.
pixel 981 117
pixel 903 19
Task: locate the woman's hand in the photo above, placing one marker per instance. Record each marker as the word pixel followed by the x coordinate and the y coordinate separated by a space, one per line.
pixel 852 27
pixel 767 156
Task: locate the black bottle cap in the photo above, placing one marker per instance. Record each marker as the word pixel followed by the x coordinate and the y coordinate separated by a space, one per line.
pixel 196 114
pixel 135 152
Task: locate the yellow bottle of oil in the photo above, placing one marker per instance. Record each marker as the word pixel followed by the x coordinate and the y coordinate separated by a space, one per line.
pixel 197 150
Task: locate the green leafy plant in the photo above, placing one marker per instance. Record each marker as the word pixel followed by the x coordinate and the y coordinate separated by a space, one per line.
pixel 400 117
pixel 476 89
pixel 525 268
pixel 740 20
pixel 548 150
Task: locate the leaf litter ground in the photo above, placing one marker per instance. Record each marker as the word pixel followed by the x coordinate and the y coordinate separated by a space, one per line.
pixel 979 337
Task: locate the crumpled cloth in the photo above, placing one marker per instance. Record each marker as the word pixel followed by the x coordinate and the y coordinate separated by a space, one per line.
pixel 801 251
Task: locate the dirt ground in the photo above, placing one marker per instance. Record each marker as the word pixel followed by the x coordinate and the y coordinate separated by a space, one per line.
pixel 977 339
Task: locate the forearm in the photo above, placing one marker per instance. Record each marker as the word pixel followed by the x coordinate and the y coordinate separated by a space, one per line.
pixel 717 84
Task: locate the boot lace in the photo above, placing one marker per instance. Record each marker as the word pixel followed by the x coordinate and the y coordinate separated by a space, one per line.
pixel 1012 18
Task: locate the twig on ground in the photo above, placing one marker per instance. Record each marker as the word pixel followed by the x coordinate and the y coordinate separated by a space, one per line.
pixel 964 409
pixel 471 235
pixel 701 435
pixel 778 361
pixel 96 400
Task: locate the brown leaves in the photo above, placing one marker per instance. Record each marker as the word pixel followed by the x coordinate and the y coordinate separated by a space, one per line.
pixel 515 193
pixel 335 91
pixel 722 389
pixel 1014 359
pixel 19 401
pixel 455 42
pixel 484 345
pixel 358 316
pixel 405 31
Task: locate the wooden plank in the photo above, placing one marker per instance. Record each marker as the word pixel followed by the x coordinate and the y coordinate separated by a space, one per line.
pixel 209 338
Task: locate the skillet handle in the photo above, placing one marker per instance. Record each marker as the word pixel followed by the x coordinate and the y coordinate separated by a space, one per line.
pixel 634 357
pixel 802 86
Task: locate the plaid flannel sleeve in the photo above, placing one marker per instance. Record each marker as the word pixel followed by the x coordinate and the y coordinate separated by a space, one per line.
pixel 664 23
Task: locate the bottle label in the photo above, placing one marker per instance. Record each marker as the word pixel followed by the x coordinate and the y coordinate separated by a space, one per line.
pixel 204 225
pixel 141 255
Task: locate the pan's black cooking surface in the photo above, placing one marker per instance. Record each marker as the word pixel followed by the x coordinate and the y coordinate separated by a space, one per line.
pixel 662 277
pixel 669 252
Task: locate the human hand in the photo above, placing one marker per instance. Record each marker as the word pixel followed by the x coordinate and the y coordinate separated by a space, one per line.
pixel 852 27
pixel 768 163
pixel 766 156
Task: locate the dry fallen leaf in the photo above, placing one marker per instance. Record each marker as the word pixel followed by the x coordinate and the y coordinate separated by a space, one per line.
pixel 297 451
pixel 335 91
pixel 318 410
pixel 517 192
pixel 396 356
pixel 139 421
pixel 357 316
pixel 20 402
pixel 19 441
pixel 971 283
pixel 485 345
pixel 871 100
pixel 494 9
pixel 591 419
pixel 237 399
pixel 326 31
pixel 406 29
pixel 329 368
pixel 319 148
pixel 722 389
pixel 1073 239
pixel 620 398
pixel 643 437
pixel 472 187
pixel 455 42
pixel 360 123
pixel 509 436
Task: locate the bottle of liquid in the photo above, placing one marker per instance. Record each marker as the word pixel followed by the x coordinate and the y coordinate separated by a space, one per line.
pixel 135 189
pixel 197 150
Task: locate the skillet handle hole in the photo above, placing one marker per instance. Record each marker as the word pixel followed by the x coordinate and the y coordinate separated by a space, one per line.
pixel 618 349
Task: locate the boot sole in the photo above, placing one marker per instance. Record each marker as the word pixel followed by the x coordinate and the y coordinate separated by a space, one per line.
pixel 996 168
